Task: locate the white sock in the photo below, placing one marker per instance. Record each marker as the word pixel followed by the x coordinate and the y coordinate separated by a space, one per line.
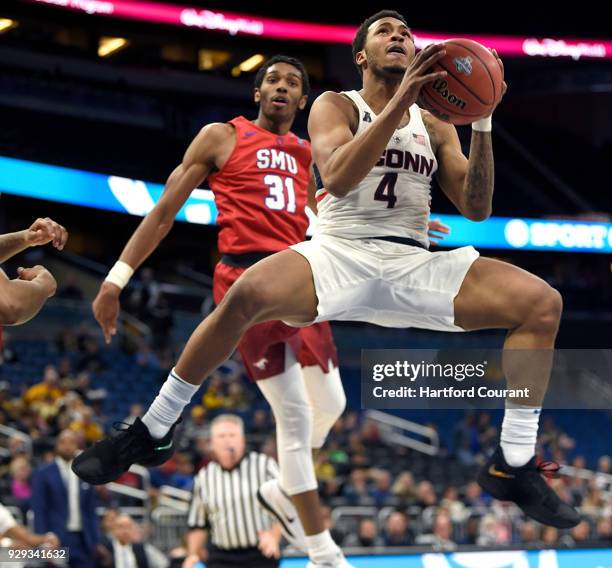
pixel 168 405
pixel 519 433
pixel 321 547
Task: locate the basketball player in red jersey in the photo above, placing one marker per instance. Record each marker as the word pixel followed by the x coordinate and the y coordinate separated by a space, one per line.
pixel 261 175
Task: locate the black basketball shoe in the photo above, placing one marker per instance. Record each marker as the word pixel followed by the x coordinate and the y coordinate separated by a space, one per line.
pixel 107 459
pixel 526 487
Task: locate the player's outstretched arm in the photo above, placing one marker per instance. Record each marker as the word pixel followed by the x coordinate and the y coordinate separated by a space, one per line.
pixel 344 159
pixel 198 162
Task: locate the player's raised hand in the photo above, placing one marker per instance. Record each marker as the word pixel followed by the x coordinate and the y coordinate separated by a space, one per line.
pixel 45 231
pixel 419 73
pixel 106 309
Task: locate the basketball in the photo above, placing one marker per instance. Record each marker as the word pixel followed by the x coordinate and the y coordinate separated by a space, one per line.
pixel 472 87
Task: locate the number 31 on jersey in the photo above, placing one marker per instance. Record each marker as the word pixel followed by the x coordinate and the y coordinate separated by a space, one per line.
pixel 279 186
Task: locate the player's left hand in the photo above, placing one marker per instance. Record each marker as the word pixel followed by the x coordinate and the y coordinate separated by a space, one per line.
pixel 436 231
pixel 268 544
pixel 44 231
pixel 501 65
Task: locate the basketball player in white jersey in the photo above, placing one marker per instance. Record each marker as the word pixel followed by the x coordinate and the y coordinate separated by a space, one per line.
pixel 377 152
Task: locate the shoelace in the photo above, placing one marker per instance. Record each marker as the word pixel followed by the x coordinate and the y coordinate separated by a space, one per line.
pixel 549 469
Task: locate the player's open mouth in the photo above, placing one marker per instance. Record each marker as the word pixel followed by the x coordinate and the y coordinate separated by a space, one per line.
pixel 397 49
pixel 280 102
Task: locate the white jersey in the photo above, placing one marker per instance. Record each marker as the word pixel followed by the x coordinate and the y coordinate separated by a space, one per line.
pixel 393 199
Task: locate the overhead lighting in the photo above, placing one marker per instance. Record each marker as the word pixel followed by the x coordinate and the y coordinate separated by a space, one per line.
pixel 110 45
pixel 251 63
pixel 6 25
pixel 209 59
pixel 236 71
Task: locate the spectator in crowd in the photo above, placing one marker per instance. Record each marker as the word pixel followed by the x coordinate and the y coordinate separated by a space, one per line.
pixel 87 426
pixel 161 321
pixel 366 537
pixel 62 504
pixel 593 501
pixel 108 520
pixel 49 388
pixel 126 549
pixel 581 535
pixel 604 532
pixel 21 483
pixel 91 359
pixel 356 491
pixel 404 488
pixel 550 536
pixel 182 478
pixel 237 398
pixel 530 534
pixel 145 357
pixel 450 501
pixel 441 536
pixel 428 501
pixel 487 531
pixel 214 396
pixel 397 531
pixel 381 490
pixel 196 426
pixel 145 296
pixel 472 530
pixel 473 496
pixel 602 479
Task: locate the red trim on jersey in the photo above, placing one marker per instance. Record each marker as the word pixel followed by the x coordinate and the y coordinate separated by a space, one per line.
pixel 321 196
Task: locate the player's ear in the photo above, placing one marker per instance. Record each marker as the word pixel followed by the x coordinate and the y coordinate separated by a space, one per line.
pixel 302 102
pixel 360 58
pixel 257 96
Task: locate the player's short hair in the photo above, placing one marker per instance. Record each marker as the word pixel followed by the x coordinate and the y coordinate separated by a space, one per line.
pixel 362 32
pixel 290 61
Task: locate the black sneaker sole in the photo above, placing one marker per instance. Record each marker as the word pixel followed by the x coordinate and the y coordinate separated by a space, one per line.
pixel 100 479
pixel 498 489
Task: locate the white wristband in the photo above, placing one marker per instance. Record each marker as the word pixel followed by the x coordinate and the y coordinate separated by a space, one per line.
pixel 483 125
pixel 120 274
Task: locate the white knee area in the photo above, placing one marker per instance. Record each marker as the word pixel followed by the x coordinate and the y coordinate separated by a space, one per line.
pixel 327 399
pixel 286 393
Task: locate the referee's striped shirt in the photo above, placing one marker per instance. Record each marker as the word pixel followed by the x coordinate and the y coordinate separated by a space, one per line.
pixel 225 501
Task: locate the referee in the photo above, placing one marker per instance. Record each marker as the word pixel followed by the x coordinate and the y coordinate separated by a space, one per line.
pixel 225 503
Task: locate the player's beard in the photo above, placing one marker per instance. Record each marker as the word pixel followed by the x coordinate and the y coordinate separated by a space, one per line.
pixel 392 73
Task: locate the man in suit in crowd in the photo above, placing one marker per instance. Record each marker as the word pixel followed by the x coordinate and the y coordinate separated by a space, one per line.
pixel 65 505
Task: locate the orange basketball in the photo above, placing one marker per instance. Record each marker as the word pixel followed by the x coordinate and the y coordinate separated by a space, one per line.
pixel 472 87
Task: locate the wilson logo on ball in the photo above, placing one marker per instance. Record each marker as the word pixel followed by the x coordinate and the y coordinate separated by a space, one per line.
pixel 463 64
pixel 441 87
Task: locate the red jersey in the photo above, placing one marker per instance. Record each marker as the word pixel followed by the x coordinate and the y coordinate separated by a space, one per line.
pixel 262 190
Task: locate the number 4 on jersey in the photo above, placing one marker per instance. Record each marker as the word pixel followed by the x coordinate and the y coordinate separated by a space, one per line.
pixel 386 190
